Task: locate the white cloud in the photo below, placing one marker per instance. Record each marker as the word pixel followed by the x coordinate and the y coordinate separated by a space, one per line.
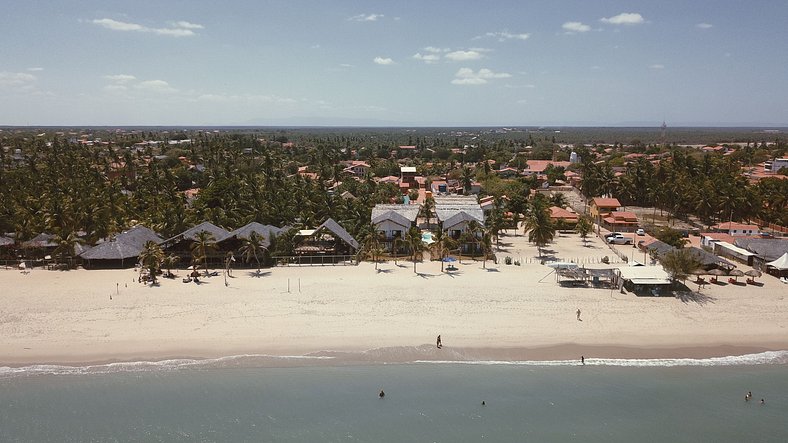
pixel 36 69
pixel 657 66
pixel 575 27
pixel 173 32
pixel 383 61
pixel 466 76
pixel 625 18
pixel 435 50
pixel 179 29
pixel 115 88
pixel 504 35
pixel 704 25
pixel 118 26
pixel 366 17
pixel 427 58
pixel 120 78
pixel 187 25
pixel 16 79
pixel 159 86
pixel 461 56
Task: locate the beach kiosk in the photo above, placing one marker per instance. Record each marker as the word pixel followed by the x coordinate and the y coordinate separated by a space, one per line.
pixel 644 280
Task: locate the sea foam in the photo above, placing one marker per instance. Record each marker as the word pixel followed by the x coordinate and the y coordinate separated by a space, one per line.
pixel 263 360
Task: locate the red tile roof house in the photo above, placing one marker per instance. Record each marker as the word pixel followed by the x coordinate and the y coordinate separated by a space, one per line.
pixel 539 166
pixel 357 168
pixel 600 205
pixel 605 212
pixel 569 218
pixel 620 221
pixel 736 229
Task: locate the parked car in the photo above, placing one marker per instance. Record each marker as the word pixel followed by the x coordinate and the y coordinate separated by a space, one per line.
pixel 640 231
pixel 612 234
pixel 619 240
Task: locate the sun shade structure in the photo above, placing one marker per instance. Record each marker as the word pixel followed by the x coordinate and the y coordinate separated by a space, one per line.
pixel 244 232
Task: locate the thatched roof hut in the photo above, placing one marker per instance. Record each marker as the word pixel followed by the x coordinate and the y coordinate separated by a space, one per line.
pixel 122 249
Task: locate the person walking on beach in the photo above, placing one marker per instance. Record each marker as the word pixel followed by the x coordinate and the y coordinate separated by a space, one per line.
pixel 439 344
pixel 582 360
pixel 578 314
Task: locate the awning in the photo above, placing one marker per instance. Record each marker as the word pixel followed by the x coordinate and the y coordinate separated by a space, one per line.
pixel 650 281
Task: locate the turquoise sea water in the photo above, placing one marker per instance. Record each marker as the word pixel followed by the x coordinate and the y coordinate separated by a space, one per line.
pixel 424 402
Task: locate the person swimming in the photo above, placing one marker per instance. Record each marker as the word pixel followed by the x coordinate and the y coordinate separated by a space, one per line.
pixel 382 394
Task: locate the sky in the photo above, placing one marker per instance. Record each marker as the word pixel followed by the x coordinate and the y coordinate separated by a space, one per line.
pixel 394 63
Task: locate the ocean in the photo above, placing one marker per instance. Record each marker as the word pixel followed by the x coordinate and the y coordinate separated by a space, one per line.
pixel 234 400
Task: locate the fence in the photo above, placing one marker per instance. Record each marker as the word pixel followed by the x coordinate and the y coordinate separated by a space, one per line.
pixel 773 226
pixel 314 260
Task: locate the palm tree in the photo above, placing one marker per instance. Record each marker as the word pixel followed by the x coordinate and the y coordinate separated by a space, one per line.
pixel 486 244
pixel 371 243
pixel 584 227
pixel 443 243
pixel 539 227
pixel 253 248
pixel 151 257
pixel 415 243
pixel 427 209
pixel 169 262
pixel 66 246
pixel 202 245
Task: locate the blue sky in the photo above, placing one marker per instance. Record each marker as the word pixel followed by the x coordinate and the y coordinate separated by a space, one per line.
pixel 417 62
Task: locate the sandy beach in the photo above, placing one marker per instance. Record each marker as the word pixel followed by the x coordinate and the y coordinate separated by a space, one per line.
pixel 502 312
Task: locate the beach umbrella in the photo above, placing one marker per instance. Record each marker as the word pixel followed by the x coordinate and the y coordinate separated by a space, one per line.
pixel 736 273
pixel 753 273
pixel 716 273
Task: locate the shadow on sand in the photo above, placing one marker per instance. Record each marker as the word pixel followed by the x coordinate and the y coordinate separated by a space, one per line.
pixel 695 297
pixel 259 274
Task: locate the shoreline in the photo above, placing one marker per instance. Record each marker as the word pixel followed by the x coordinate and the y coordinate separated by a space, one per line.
pixel 413 354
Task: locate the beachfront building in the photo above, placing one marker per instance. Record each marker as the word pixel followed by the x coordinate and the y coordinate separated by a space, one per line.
pixel 121 250
pixel 643 280
pixel 394 221
pixel 181 244
pixel 327 243
pixel 706 259
pixel 764 250
pixel 456 214
pixel 235 241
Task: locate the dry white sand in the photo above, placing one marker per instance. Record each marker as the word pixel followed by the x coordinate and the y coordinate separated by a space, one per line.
pixel 511 311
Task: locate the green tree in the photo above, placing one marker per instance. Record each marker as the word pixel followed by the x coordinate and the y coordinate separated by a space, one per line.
pixel 538 225
pixel 442 245
pixel 415 244
pixel 680 263
pixel 151 257
pixel 672 237
pixel 253 248
pixel 202 245
pixel 584 227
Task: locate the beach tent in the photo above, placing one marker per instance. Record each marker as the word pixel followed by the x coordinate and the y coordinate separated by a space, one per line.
pixel 781 264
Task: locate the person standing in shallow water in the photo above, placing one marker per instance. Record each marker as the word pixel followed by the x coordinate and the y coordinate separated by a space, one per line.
pixel 438 343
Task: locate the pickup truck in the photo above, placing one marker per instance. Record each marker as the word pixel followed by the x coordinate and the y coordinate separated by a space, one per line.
pixel 619 240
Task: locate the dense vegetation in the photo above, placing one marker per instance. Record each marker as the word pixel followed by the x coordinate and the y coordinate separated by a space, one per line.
pixel 51 182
